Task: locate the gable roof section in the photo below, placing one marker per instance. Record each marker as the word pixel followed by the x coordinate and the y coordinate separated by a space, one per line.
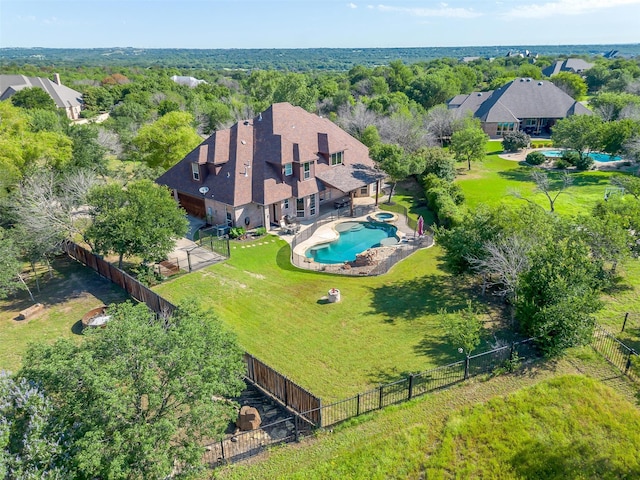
pixel 63 96
pixel 244 163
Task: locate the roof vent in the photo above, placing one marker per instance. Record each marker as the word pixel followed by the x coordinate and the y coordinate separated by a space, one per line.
pixel 246 122
pixel 260 117
pixel 528 79
pixel 539 83
pixel 522 79
pixel 244 142
pixel 479 94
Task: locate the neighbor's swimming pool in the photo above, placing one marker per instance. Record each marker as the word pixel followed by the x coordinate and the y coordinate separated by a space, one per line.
pixel 355 237
pixel 598 157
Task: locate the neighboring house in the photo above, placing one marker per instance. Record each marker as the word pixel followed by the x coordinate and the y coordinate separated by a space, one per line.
pixel 525 104
pixel 573 65
pixel 63 96
pixel 188 81
pixel 285 161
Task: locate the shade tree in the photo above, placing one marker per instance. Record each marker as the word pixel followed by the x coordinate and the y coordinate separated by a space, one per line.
pixel 469 144
pixel 139 398
pixel 141 219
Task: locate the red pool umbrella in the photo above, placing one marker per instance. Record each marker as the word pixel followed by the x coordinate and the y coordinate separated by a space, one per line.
pixel 420 225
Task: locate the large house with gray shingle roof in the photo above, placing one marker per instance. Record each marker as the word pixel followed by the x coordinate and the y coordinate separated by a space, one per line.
pixel 63 96
pixel 285 161
pixel 532 106
pixel 572 65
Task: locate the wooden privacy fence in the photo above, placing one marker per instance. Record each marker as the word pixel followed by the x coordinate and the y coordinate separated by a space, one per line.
pixel 129 284
pixel 289 393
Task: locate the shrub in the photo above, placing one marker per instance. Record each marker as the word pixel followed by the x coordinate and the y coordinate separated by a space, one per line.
pixel 536 158
pixel 237 232
pixel 584 163
pixel 261 231
pixel 571 157
pixel 146 275
pixel 514 141
pixel 561 164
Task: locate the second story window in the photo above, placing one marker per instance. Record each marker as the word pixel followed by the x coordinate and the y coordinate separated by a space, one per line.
pixel 306 170
pixel 195 170
pixel 288 169
pixel 336 158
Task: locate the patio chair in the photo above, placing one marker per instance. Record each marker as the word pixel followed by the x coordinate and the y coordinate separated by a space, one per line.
pixel 287 229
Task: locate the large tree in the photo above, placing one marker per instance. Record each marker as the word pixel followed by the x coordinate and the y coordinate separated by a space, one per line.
pixel 393 161
pixel 140 219
pixel 469 144
pixel 581 133
pixel 166 141
pixel 138 398
pixel 33 98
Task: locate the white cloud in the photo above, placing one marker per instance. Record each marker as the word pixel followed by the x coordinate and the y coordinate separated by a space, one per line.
pixel 443 11
pixel 564 7
pixel 352 5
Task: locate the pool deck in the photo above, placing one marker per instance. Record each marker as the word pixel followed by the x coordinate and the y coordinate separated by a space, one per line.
pixel 327 233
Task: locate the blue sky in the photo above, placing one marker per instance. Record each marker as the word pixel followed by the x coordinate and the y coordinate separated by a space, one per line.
pixel 312 23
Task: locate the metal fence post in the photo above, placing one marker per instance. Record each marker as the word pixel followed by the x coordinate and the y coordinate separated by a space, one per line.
pixel 358 406
pixel 381 395
pixel 295 423
pixel 189 260
pixel 410 387
pixel 466 368
pixel 624 324
pixel 628 364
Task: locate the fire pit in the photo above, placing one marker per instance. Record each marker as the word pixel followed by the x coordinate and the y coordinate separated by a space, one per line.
pixel 96 318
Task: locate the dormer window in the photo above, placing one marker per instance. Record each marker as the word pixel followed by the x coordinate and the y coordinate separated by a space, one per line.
pixel 306 170
pixel 288 169
pixel 195 171
pixel 336 158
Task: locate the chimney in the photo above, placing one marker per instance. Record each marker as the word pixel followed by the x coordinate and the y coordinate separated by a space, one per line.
pixel 56 78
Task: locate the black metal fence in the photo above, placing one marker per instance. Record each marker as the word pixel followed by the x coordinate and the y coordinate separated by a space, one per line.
pixel 209 239
pixel 424 382
pixel 625 358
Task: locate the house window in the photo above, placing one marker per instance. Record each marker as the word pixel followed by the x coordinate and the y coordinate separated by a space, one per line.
pixel 364 191
pixel 288 169
pixel 195 170
pixel 300 207
pixel 505 127
pixel 336 158
pixel 285 204
pixel 312 205
pixel 306 170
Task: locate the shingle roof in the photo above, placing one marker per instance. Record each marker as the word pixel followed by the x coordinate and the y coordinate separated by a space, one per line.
pixel 245 162
pixel 522 98
pixel 574 65
pixel 63 96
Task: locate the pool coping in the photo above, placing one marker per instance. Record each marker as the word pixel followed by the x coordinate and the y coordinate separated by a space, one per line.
pixel 327 233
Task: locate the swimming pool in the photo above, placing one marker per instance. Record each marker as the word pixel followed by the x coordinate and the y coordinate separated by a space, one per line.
pixel 355 237
pixel 596 156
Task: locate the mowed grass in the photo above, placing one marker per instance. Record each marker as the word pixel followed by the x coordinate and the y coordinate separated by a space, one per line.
pixel 549 421
pixel 383 327
pixel 491 181
pixel 72 292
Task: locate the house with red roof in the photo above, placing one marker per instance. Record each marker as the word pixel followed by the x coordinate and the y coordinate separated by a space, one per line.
pixel 283 162
pixel 525 104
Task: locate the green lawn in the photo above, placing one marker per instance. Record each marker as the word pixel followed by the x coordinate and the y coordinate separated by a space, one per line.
pixel 545 422
pixel 490 182
pixel 383 327
pixel 73 291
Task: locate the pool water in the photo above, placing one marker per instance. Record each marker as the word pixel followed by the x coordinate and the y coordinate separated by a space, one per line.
pixel 596 156
pixel 355 237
